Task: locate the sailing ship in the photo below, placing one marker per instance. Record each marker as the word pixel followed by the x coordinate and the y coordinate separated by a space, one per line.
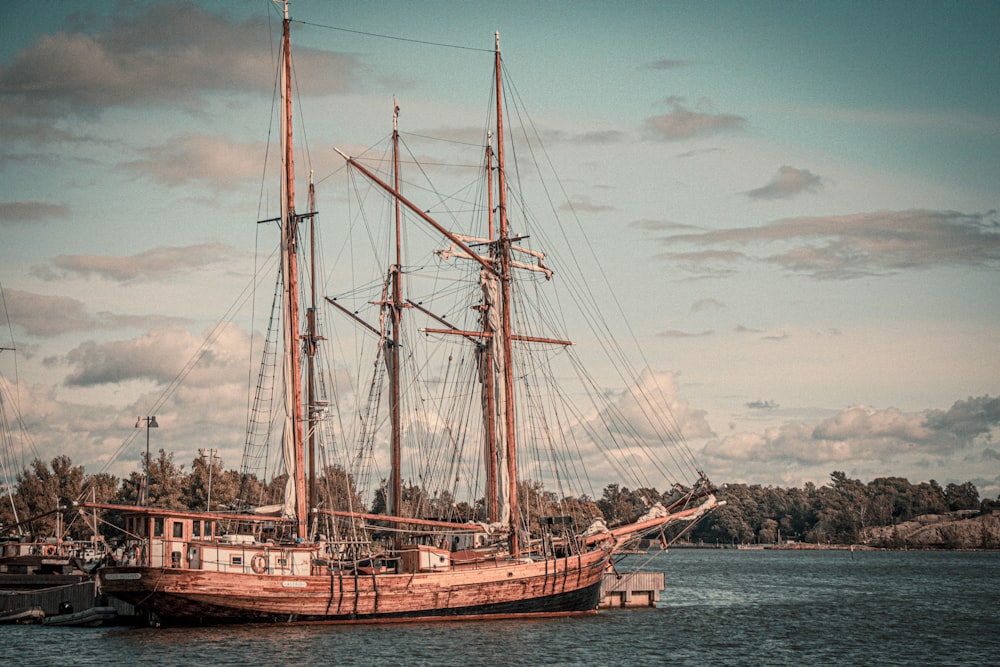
pixel 302 562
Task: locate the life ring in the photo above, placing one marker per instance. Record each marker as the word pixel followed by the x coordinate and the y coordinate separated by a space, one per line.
pixel 50 550
pixel 259 562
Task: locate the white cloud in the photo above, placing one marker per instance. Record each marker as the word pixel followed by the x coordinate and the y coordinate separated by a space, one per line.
pixel 154 264
pixel 27 211
pixel 160 356
pixel 850 246
pixel 879 442
pixel 683 123
pixel 584 204
pixel 788 182
pixel 52 315
pixel 643 421
pixel 706 304
pixel 215 162
pixel 166 54
pixel 676 333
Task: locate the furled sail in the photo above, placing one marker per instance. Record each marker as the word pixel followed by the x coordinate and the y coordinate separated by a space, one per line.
pixel 288 442
pixel 490 286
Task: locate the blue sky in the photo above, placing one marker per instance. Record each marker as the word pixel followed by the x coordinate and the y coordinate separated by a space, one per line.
pixel 795 202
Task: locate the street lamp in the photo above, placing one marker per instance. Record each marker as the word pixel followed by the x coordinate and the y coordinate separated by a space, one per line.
pixel 211 455
pixel 150 423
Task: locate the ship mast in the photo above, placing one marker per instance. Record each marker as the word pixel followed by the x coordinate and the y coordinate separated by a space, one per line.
pixel 507 379
pixel 498 351
pixel 487 361
pixel 395 310
pixel 290 300
pixel 312 412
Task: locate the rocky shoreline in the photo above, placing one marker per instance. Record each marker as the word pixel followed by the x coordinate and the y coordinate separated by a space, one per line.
pixel 955 531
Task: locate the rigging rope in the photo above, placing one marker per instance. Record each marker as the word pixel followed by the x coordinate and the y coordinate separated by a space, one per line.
pixel 394 38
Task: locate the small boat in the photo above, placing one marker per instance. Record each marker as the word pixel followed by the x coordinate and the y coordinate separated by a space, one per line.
pixel 23 616
pixel 87 618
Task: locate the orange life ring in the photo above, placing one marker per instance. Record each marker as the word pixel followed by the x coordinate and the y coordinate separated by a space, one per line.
pixel 50 550
pixel 259 562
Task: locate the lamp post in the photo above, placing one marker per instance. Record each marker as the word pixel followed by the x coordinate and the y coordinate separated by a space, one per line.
pixel 150 423
pixel 211 455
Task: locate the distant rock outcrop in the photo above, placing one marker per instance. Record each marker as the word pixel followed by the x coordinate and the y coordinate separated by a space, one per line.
pixel 954 530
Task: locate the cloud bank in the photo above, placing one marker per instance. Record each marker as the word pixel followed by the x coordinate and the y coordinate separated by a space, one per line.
pixel 216 162
pixel 862 437
pixel 168 54
pixel 154 264
pixel 46 315
pixel 850 246
pixel 159 356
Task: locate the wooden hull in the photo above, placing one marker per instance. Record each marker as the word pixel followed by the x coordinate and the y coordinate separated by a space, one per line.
pixel 512 589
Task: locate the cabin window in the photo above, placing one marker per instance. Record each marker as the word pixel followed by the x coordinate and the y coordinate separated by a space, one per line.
pixel 209 529
pixel 196 529
pixel 281 563
pixel 175 559
pixel 158 527
pixel 178 529
pixel 236 561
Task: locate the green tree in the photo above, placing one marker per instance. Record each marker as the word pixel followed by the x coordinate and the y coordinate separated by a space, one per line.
pixel 962 496
pixel 33 497
pixel 619 505
pixel 929 499
pixel 768 532
pixel 271 493
pixel 166 482
pixel 101 488
pixel 336 491
pixel 226 488
pixel 205 477
pixel 534 502
pixel 44 499
pixel 727 525
pixel 130 491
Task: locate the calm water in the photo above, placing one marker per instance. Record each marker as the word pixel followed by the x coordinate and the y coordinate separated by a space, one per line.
pixel 720 607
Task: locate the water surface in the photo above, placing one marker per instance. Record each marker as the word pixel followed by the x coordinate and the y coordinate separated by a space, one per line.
pixel 720 607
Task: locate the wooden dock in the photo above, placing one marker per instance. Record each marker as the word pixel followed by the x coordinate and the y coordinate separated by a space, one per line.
pixel 78 596
pixel 631 589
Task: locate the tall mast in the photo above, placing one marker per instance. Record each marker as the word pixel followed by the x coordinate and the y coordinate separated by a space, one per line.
pixel 311 339
pixel 395 309
pixel 507 380
pixel 293 380
pixel 489 387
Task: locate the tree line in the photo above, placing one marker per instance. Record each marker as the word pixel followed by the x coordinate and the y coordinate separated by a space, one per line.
pixel 840 512
pixel 44 495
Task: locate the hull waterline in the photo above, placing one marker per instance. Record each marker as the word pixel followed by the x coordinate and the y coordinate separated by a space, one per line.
pixel 189 597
